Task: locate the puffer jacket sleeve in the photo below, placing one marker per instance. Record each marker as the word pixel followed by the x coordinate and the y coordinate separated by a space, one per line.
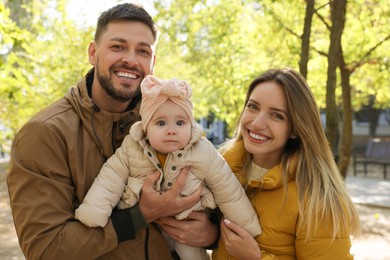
pixel 228 192
pixel 221 253
pixel 46 227
pixel 106 190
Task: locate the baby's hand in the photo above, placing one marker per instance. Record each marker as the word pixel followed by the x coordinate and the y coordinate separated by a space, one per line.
pixel 155 205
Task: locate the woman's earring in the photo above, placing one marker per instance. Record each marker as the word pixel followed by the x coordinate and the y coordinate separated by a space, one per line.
pixel 293 136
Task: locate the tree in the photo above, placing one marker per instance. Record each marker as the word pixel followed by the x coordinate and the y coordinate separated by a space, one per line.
pixel 347 70
pixel 338 10
pixel 12 39
pixel 346 133
pixel 10 35
pixel 43 59
pixel 305 46
pixel 216 47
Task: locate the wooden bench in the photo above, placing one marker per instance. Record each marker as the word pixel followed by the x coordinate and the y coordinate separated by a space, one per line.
pixel 377 152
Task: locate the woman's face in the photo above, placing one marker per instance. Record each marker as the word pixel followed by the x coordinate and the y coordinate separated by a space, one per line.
pixel 265 125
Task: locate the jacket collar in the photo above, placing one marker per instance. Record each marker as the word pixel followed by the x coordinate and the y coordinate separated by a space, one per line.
pixel 106 129
pixel 273 179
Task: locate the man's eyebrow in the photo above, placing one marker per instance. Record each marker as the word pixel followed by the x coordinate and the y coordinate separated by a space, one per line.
pixel 118 39
pixel 146 44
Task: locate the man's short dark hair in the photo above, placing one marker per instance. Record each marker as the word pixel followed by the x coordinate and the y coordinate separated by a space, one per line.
pixel 124 12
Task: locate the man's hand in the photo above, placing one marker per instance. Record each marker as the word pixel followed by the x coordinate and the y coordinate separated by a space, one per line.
pixel 155 205
pixel 196 230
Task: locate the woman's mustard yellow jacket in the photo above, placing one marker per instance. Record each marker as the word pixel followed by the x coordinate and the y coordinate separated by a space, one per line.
pixel 279 219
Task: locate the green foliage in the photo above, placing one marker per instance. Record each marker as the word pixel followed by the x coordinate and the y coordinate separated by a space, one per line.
pixel 40 64
pixel 218 46
pixel 369 55
pixel 215 43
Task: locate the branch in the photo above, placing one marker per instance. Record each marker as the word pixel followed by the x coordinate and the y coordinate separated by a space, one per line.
pixel 291 31
pixel 322 19
pixel 376 46
pixel 352 67
pixel 285 27
pixel 322 6
pixel 322 53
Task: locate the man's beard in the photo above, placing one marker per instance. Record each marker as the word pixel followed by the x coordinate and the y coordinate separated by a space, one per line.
pixel 108 86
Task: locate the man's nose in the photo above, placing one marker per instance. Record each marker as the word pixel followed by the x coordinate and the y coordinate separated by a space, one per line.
pixel 130 58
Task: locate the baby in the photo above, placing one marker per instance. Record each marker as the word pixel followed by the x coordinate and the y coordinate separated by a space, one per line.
pixel 168 139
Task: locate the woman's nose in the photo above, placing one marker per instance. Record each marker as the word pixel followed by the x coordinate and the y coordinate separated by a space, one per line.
pixel 260 121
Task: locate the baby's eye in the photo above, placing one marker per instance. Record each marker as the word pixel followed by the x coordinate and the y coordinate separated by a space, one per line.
pixel 180 122
pixel 160 123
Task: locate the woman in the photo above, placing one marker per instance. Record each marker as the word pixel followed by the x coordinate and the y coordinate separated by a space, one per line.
pixel 281 156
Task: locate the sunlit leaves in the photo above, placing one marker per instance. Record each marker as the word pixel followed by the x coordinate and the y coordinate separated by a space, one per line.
pixel 220 45
pixel 218 40
pixel 41 63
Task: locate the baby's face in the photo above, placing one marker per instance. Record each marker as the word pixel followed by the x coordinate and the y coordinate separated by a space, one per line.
pixel 169 129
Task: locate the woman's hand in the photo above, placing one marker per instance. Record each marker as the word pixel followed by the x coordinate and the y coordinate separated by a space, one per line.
pixel 196 230
pixel 239 242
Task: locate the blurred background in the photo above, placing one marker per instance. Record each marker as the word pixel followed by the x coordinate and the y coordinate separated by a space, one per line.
pixel 218 46
pixel 342 49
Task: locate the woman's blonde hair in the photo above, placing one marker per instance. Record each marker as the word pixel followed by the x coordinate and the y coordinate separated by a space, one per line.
pixel 322 194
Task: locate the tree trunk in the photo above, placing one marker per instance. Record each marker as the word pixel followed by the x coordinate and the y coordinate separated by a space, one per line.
pixel 373 119
pixel 306 38
pixel 346 135
pixel 338 10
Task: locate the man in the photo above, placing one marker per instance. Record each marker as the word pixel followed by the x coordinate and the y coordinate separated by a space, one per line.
pixel 58 153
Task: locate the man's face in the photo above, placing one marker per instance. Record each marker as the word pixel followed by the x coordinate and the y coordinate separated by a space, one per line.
pixel 122 57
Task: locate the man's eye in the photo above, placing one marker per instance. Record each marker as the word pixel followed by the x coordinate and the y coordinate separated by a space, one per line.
pixel 145 53
pixel 116 47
